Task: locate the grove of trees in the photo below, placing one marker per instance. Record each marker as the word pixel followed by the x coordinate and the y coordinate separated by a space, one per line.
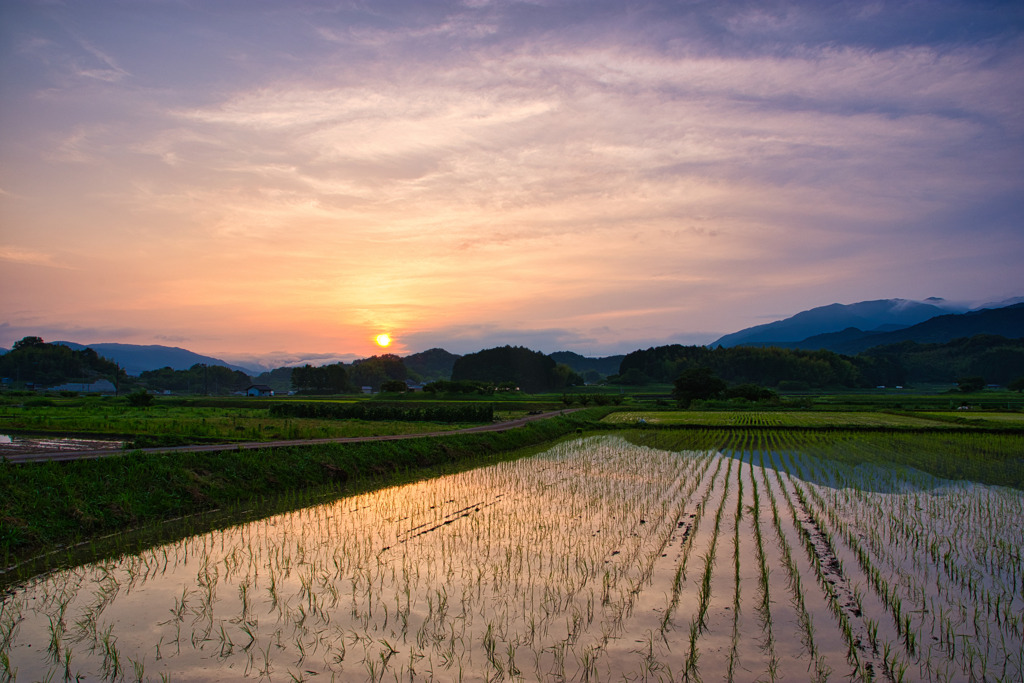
pixel 997 359
pixel 530 371
pixel 33 361
pixel 199 379
pixel 324 379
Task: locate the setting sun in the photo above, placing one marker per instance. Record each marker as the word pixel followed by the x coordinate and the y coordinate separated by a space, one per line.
pixel 383 340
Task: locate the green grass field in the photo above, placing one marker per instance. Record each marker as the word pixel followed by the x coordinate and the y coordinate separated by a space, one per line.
pixel 816 418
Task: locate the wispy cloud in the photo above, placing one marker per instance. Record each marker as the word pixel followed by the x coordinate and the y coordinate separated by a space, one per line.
pixel 562 173
pixel 102 67
pixel 15 254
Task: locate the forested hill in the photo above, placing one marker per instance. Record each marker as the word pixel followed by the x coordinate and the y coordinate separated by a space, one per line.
pixel 431 365
pixel 996 359
pixel 32 361
pixel 765 366
pixel 515 366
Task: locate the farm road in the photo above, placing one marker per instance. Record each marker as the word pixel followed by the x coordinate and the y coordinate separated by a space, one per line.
pixel 250 445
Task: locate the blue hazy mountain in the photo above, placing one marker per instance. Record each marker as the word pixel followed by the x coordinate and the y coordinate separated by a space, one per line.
pixel 135 358
pixel 1007 321
pixel 882 315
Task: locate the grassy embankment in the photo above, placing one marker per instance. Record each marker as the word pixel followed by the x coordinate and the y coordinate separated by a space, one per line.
pixel 173 422
pixel 50 507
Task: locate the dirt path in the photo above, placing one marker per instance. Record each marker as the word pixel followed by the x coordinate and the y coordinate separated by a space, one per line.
pixel 250 445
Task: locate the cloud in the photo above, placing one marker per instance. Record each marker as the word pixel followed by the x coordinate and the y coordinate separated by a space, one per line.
pixel 30 257
pixel 103 67
pixel 564 173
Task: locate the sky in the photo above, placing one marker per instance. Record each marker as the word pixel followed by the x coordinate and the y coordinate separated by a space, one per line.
pixel 278 182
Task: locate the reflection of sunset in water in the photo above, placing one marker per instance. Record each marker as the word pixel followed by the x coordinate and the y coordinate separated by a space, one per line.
pixel 594 560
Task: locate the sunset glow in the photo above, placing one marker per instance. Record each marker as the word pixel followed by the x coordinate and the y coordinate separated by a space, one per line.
pixel 276 182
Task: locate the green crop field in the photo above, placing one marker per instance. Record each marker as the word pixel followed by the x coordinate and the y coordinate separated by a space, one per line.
pixel 809 418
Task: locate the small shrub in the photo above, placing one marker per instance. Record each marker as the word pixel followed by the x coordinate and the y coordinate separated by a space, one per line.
pixel 140 399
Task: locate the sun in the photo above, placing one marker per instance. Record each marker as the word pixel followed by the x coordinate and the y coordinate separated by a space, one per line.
pixel 383 340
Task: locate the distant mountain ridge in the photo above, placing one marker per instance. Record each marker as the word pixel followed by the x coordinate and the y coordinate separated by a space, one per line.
pixel 877 315
pixel 1005 322
pixel 843 328
pixel 135 358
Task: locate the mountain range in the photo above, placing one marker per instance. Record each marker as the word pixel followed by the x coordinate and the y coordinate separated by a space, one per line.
pixel 852 328
pixel 1006 322
pixel 842 328
pixel 135 358
pixel 882 315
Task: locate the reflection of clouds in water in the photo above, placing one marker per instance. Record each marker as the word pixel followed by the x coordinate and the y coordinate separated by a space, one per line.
pixel 557 562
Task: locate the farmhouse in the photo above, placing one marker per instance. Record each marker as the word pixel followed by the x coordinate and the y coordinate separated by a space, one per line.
pixel 259 390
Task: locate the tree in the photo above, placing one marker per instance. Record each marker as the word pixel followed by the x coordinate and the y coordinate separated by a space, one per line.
pixel 140 399
pixel 697 384
pixel 567 377
pixel 1016 385
pixel 632 377
pixel 394 386
pixel 27 342
pixel 374 371
pixel 751 392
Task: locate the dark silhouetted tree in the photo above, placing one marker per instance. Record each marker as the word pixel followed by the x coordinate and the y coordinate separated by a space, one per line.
pixel 697 384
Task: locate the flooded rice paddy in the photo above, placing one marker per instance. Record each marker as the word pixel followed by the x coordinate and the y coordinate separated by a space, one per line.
pixel 18 444
pixel 597 560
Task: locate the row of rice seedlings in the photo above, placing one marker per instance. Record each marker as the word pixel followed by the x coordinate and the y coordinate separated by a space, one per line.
pixel 449 577
pixel 737 588
pixel 731 620
pixel 679 577
pixel 906 631
pixel 909 517
pixel 893 662
pixel 821 670
pixel 988 589
pixel 826 583
pixel 518 571
pixel 763 608
pixel 691 662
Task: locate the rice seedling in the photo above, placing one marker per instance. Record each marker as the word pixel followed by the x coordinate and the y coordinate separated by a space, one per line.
pixel 578 562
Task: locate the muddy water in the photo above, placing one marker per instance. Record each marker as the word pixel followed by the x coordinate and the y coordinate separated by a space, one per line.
pixel 16 444
pixel 586 562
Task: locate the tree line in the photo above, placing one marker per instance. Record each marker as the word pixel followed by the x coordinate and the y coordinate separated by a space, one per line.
pixel 31 361
pixel 991 358
pixel 997 359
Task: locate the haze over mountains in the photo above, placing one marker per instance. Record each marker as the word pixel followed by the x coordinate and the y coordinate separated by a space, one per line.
pixel 136 358
pixel 843 328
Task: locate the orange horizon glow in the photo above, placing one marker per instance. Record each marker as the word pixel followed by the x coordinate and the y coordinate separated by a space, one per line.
pixel 564 179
